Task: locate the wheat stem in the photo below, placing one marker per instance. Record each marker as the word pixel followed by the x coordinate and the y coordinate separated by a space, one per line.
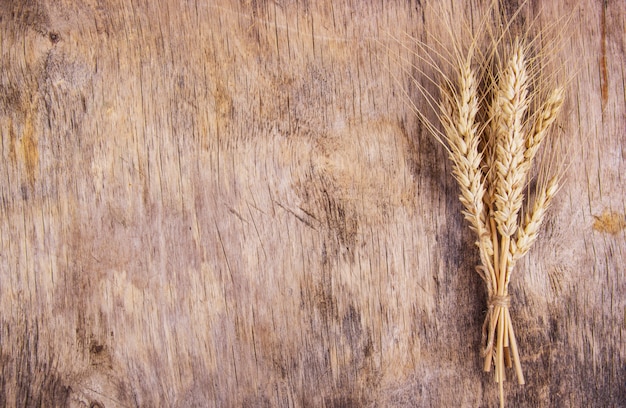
pixel 491 161
pixel 515 351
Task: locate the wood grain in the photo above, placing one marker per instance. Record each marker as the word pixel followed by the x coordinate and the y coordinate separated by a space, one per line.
pixel 232 204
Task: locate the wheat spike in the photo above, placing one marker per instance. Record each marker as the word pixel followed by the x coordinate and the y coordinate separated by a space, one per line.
pixel 458 115
pixel 511 103
pixel 527 234
pixel 547 115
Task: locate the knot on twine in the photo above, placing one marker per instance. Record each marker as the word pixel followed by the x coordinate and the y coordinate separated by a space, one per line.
pixel 489 326
pixel 502 301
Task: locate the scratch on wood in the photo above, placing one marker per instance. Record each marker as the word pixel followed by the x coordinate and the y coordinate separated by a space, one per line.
pixel 603 71
pixel 29 147
pixel 305 222
pixel 219 236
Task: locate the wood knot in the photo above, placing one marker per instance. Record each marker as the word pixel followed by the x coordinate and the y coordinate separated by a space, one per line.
pixel 54 37
pixel 96 348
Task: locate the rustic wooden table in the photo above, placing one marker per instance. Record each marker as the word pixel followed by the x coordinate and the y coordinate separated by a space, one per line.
pixel 232 204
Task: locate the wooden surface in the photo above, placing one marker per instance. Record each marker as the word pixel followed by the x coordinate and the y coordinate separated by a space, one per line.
pixel 231 204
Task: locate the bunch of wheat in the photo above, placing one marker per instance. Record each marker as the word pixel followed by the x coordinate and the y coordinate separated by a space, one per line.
pixel 491 161
pixel 495 112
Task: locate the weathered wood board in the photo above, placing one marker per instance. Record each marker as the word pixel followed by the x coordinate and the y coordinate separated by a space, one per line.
pixel 232 204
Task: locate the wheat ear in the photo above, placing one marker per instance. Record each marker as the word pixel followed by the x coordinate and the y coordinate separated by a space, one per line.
pixel 458 116
pixel 547 115
pixel 509 107
pixel 511 103
pixel 527 234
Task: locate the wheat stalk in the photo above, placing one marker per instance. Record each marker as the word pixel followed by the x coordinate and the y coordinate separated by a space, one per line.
pixel 491 161
pixel 510 146
pixel 511 104
pixel 494 121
